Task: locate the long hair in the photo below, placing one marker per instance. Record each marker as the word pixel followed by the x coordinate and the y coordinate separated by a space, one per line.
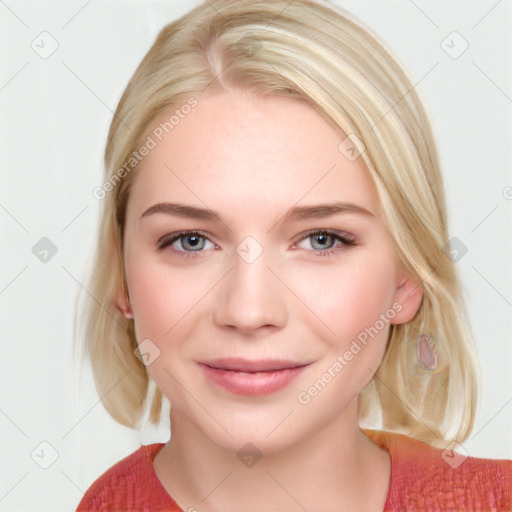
pixel 319 53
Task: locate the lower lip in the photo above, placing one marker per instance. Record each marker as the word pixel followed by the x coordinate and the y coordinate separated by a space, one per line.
pixel 251 384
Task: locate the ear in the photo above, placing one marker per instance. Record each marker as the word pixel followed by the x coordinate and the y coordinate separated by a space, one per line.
pixel 409 295
pixel 123 304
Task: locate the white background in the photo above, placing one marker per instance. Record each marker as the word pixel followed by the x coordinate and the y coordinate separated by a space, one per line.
pixel 55 114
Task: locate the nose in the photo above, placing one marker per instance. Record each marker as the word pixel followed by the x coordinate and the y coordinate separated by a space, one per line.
pixel 250 298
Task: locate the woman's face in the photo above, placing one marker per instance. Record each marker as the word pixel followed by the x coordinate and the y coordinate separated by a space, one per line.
pixel 266 322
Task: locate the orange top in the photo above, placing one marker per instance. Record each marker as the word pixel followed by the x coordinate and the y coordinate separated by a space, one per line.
pixel 422 478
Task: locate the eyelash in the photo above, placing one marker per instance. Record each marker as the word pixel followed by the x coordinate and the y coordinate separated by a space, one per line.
pixel 346 239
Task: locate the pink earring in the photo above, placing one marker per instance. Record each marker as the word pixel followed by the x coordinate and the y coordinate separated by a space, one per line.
pixel 426 354
pixel 127 313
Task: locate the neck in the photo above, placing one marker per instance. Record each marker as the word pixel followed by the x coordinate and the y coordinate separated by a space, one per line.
pixel 337 468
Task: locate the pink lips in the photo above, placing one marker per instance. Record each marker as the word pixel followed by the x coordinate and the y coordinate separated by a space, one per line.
pixel 251 378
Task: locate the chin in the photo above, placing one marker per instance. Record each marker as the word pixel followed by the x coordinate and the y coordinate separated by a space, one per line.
pixel 270 429
pixel 250 438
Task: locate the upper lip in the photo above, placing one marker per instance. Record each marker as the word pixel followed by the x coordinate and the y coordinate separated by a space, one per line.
pixel 248 366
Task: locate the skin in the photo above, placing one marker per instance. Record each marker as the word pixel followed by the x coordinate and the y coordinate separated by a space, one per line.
pixel 251 159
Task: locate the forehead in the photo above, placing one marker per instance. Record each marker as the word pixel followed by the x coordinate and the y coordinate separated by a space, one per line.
pixel 244 154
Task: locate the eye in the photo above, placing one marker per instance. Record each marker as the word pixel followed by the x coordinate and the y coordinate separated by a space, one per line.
pixel 326 242
pixel 187 242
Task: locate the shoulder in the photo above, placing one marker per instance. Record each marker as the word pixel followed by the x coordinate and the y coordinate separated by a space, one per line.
pixel 131 484
pixel 423 476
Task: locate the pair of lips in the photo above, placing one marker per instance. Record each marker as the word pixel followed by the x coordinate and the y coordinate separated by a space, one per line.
pixel 248 366
pixel 251 378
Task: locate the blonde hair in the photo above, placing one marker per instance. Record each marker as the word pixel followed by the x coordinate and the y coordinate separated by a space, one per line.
pixel 319 53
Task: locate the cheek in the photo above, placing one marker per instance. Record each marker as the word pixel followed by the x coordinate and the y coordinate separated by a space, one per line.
pixel 165 305
pixel 160 299
pixel 348 298
pixel 354 302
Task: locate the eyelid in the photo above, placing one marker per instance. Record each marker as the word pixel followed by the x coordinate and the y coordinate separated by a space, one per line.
pixel 170 238
pixel 344 236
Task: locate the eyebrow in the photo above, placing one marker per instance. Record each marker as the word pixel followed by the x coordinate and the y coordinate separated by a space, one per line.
pixel 316 211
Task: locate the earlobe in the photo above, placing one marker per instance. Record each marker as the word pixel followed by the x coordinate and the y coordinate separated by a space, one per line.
pixel 123 304
pixel 409 295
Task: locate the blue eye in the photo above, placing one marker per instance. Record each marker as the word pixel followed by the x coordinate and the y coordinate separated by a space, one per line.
pixel 190 242
pixel 194 242
pixel 323 241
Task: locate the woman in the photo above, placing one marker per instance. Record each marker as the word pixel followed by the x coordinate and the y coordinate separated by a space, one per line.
pixel 272 261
